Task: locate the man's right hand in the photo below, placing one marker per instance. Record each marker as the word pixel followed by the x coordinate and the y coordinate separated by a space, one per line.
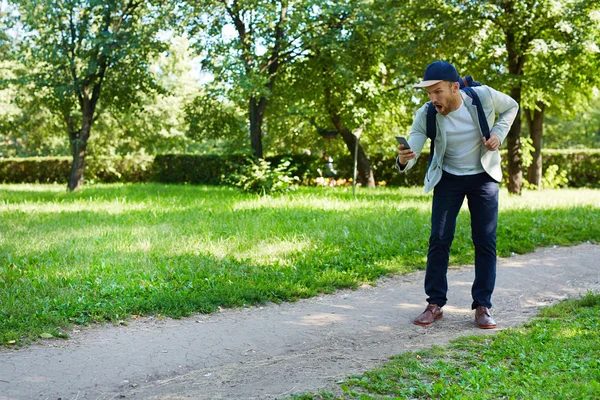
pixel 405 155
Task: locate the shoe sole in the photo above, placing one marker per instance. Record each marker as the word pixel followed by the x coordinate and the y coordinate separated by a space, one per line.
pixel 486 326
pixel 429 324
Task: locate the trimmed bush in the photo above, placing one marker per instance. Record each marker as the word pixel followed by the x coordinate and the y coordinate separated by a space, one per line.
pixel 194 169
pixel 215 170
pixel 581 166
pixel 35 170
pixel 119 169
pixel 57 169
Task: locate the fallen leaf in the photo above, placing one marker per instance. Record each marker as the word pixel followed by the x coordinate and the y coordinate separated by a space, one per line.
pixel 46 335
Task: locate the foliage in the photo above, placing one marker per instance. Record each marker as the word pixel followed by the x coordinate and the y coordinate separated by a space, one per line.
pixel 356 60
pixel 572 168
pixel 195 169
pixel 581 167
pixel 27 126
pixel 82 56
pixel 246 61
pixel 554 356
pixel 214 170
pixel 209 117
pixel 553 179
pixel 257 176
pixel 178 249
pixel 544 53
pixel 157 123
pixel 579 129
pixel 34 170
pixel 342 79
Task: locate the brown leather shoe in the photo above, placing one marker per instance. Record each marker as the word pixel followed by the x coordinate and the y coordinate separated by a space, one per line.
pixel 483 318
pixel 431 313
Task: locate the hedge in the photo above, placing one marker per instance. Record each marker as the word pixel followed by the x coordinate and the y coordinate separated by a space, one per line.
pixel 214 169
pixel 57 169
pixel 581 166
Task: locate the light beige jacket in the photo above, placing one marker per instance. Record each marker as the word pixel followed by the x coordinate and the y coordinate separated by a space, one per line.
pixel 493 102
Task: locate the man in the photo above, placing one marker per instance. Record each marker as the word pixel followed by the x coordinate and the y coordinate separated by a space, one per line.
pixel 464 163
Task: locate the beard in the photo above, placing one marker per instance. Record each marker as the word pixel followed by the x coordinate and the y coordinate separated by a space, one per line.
pixel 452 104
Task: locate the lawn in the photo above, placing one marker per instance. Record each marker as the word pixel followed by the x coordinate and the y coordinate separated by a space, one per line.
pixel 556 356
pixel 109 252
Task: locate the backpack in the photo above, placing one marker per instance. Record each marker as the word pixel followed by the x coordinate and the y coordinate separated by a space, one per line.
pixel 466 85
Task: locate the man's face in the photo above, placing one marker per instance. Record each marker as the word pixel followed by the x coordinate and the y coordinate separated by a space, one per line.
pixel 444 96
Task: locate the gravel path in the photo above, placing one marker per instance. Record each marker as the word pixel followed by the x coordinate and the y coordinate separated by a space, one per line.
pixel 272 351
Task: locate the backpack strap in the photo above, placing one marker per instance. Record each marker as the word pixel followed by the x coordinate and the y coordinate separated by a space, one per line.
pixel 483 124
pixel 431 129
pixel 468 81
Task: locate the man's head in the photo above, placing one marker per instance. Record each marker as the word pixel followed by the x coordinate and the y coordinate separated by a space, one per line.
pixel 441 82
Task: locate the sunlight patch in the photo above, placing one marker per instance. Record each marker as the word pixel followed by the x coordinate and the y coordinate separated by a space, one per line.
pixel 270 251
pixel 118 206
pixel 319 319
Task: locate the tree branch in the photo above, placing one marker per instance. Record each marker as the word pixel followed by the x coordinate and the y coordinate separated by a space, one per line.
pixel 72 65
pixel 273 64
pixel 240 27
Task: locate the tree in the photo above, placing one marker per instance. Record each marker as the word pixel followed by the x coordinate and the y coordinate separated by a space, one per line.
pixel 560 74
pixel 343 81
pixel 81 53
pixel 501 50
pixel 319 85
pixel 524 27
pixel 250 61
pixel 156 123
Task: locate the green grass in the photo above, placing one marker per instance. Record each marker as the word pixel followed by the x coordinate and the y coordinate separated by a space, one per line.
pixel 556 356
pixel 113 251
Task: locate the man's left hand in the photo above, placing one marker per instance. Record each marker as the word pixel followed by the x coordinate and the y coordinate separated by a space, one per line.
pixel 492 143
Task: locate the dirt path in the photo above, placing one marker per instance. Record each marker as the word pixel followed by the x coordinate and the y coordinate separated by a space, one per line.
pixel 272 351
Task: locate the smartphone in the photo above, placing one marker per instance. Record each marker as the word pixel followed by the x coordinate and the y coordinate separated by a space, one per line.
pixel 402 140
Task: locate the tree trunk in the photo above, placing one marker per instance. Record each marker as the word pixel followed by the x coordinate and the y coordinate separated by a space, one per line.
pixel 536 131
pixel 515 48
pixel 365 173
pixel 80 139
pixel 515 169
pixel 257 112
pixel 79 143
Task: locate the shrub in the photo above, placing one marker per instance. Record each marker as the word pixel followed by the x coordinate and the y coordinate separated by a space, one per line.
pixel 572 168
pixel 119 169
pixel 215 170
pixel 257 176
pixel 578 167
pixel 57 169
pixel 35 170
pixel 195 169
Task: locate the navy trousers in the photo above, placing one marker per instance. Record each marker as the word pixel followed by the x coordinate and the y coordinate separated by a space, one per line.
pixel 482 196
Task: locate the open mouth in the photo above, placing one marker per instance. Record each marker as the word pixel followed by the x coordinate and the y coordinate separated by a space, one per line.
pixel 438 107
